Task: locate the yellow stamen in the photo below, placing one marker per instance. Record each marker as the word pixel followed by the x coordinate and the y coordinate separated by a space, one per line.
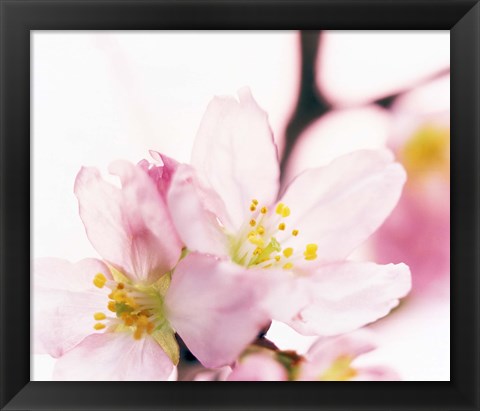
pixel 118 296
pixel 257 251
pixel 264 210
pixel 99 280
pixel 255 202
pixel 99 326
pixel 120 286
pixel 255 239
pixel 311 252
pixel 99 316
pixel 288 252
pixel 339 370
pixel 261 230
pixel 295 233
pixel 112 306
pixel 253 222
pixel 142 321
pixel 288 266
pixel 281 226
pixel 282 210
pixel 138 334
pixel 252 208
pixel 277 258
pixel 128 319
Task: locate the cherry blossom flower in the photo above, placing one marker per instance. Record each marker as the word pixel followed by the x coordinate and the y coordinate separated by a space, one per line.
pixel 116 319
pixel 329 359
pixel 227 203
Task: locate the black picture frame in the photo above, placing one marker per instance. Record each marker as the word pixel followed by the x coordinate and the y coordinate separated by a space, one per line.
pixel 18 17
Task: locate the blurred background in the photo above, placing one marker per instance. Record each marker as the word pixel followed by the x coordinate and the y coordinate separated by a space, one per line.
pixel 99 96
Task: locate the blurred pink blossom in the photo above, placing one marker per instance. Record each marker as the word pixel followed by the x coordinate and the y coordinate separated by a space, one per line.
pixel 329 359
pixel 212 305
pixel 358 67
pixel 418 230
pixel 227 204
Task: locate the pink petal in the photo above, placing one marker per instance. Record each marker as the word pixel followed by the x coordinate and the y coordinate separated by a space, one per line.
pixel 357 67
pixel 326 351
pixel 418 233
pixel 161 172
pixel 64 302
pixel 377 373
pixel 114 356
pixel 197 213
pixel 258 367
pixel 337 133
pixel 215 307
pixel 339 206
pixel 235 154
pixel 219 374
pixel 346 296
pixel 129 227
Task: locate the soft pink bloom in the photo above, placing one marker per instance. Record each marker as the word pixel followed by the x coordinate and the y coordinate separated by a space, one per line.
pixel 227 204
pixel 258 366
pixel 329 359
pixel 334 359
pixel 160 171
pixel 116 319
pixel 418 230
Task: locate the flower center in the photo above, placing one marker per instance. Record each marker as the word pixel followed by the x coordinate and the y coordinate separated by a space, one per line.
pixel 134 308
pixel 340 370
pixel 256 243
pixel 427 151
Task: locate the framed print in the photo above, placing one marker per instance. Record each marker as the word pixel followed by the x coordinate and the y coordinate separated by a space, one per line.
pixel 232 205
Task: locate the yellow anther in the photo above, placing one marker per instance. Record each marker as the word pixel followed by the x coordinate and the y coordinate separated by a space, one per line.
pixel 99 316
pixel 112 306
pixel 131 302
pixel 257 251
pixel 138 334
pixel 253 222
pixel 264 210
pixel 142 321
pixel 295 233
pixel 252 207
pixel 99 280
pixel 277 258
pixel 99 326
pixel 150 327
pixel 120 286
pixel 118 295
pixel 281 226
pixel 288 252
pixel 260 230
pixel 311 252
pixel 255 202
pixel 128 319
pixel 255 239
pixel 282 210
pixel 288 266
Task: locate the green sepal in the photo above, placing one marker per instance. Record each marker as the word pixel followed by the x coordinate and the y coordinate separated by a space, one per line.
pixel 165 337
pixel 163 284
pixel 118 276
